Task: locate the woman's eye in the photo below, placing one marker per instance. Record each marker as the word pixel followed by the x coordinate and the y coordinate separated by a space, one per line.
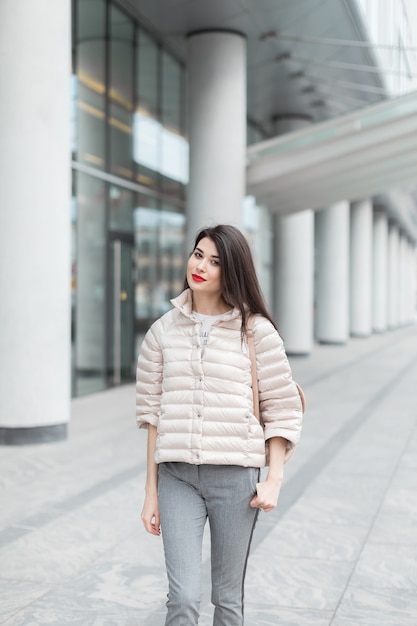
pixel 197 254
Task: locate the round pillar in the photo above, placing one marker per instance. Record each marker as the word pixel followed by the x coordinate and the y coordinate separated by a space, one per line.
pixel 294 273
pixel 294 251
pixel 403 280
pixel 380 270
pixel 35 221
pixel 333 273
pixel 413 282
pixel 361 220
pixel 217 128
pixel 393 275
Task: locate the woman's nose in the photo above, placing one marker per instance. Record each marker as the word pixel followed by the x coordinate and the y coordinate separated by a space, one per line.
pixel 201 265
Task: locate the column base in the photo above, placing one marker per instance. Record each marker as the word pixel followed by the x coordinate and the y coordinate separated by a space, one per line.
pixel 36 434
pixel 331 342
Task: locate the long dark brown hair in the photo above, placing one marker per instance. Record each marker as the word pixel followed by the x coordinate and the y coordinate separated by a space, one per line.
pixel 239 282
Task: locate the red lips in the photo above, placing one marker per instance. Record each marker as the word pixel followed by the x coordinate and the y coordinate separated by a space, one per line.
pixel 198 279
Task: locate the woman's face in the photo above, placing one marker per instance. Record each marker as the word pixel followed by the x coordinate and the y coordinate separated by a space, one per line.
pixel 203 269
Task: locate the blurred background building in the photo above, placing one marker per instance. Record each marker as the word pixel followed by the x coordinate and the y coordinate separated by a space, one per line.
pixel 128 124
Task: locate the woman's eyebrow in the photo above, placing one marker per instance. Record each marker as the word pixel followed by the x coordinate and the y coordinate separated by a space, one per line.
pixel 213 256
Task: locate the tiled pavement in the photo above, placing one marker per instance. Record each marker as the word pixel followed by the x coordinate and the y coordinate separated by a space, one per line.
pixel 340 550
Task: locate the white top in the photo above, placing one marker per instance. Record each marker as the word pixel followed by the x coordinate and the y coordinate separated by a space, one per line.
pixel 206 324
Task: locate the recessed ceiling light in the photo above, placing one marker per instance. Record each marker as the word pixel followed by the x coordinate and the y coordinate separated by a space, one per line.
pixel 294 75
pixel 317 103
pixel 270 34
pixel 283 56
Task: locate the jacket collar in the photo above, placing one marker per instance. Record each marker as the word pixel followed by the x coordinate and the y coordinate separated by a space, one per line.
pixel 184 303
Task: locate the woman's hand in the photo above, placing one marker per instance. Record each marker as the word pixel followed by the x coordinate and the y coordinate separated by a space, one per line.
pixel 267 494
pixel 150 514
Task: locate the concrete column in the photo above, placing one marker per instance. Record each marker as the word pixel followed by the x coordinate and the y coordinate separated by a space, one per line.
pixel 393 274
pixel 294 276
pixel 410 280
pixel 333 273
pixel 409 283
pixel 294 265
pixel 217 128
pixel 379 274
pixel 361 268
pixel 35 221
pixel 413 283
pixel 263 253
pixel 403 280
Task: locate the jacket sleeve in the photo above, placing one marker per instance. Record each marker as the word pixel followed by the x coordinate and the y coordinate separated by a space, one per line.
pixel 149 379
pixel 280 402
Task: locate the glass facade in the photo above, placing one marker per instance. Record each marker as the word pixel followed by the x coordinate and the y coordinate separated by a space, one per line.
pixel 391 26
pixel 130 168
pixel 254 133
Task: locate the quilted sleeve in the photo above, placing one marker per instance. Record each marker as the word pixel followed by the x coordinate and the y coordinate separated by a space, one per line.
pixel 149 379
pixel 280 402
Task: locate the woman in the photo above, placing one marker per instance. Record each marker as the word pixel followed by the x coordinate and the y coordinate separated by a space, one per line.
pixel 205 445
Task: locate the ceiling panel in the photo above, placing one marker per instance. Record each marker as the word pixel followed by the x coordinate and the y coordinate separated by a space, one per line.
pixel 359 155
pixel 272 87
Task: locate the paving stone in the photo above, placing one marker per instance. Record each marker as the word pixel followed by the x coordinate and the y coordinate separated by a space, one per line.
pixel 338 551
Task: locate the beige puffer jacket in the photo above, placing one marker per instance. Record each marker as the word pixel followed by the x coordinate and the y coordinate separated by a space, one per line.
pixel 203 406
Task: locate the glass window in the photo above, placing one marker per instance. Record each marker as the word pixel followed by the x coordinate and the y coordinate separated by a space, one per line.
pixel 121 209
pixel 146 231
pixel 127 248
pixel 147 128
pixel 159 259
pixel 73 282
pixel 121 93
pixel 172 141
pixel 90 88
pixel 253 134
pixel 121 292
pixel 89 285
pixel 121 365
pixel 172 253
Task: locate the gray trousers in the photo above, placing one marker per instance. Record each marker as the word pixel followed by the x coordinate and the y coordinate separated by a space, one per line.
pixel 188 495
